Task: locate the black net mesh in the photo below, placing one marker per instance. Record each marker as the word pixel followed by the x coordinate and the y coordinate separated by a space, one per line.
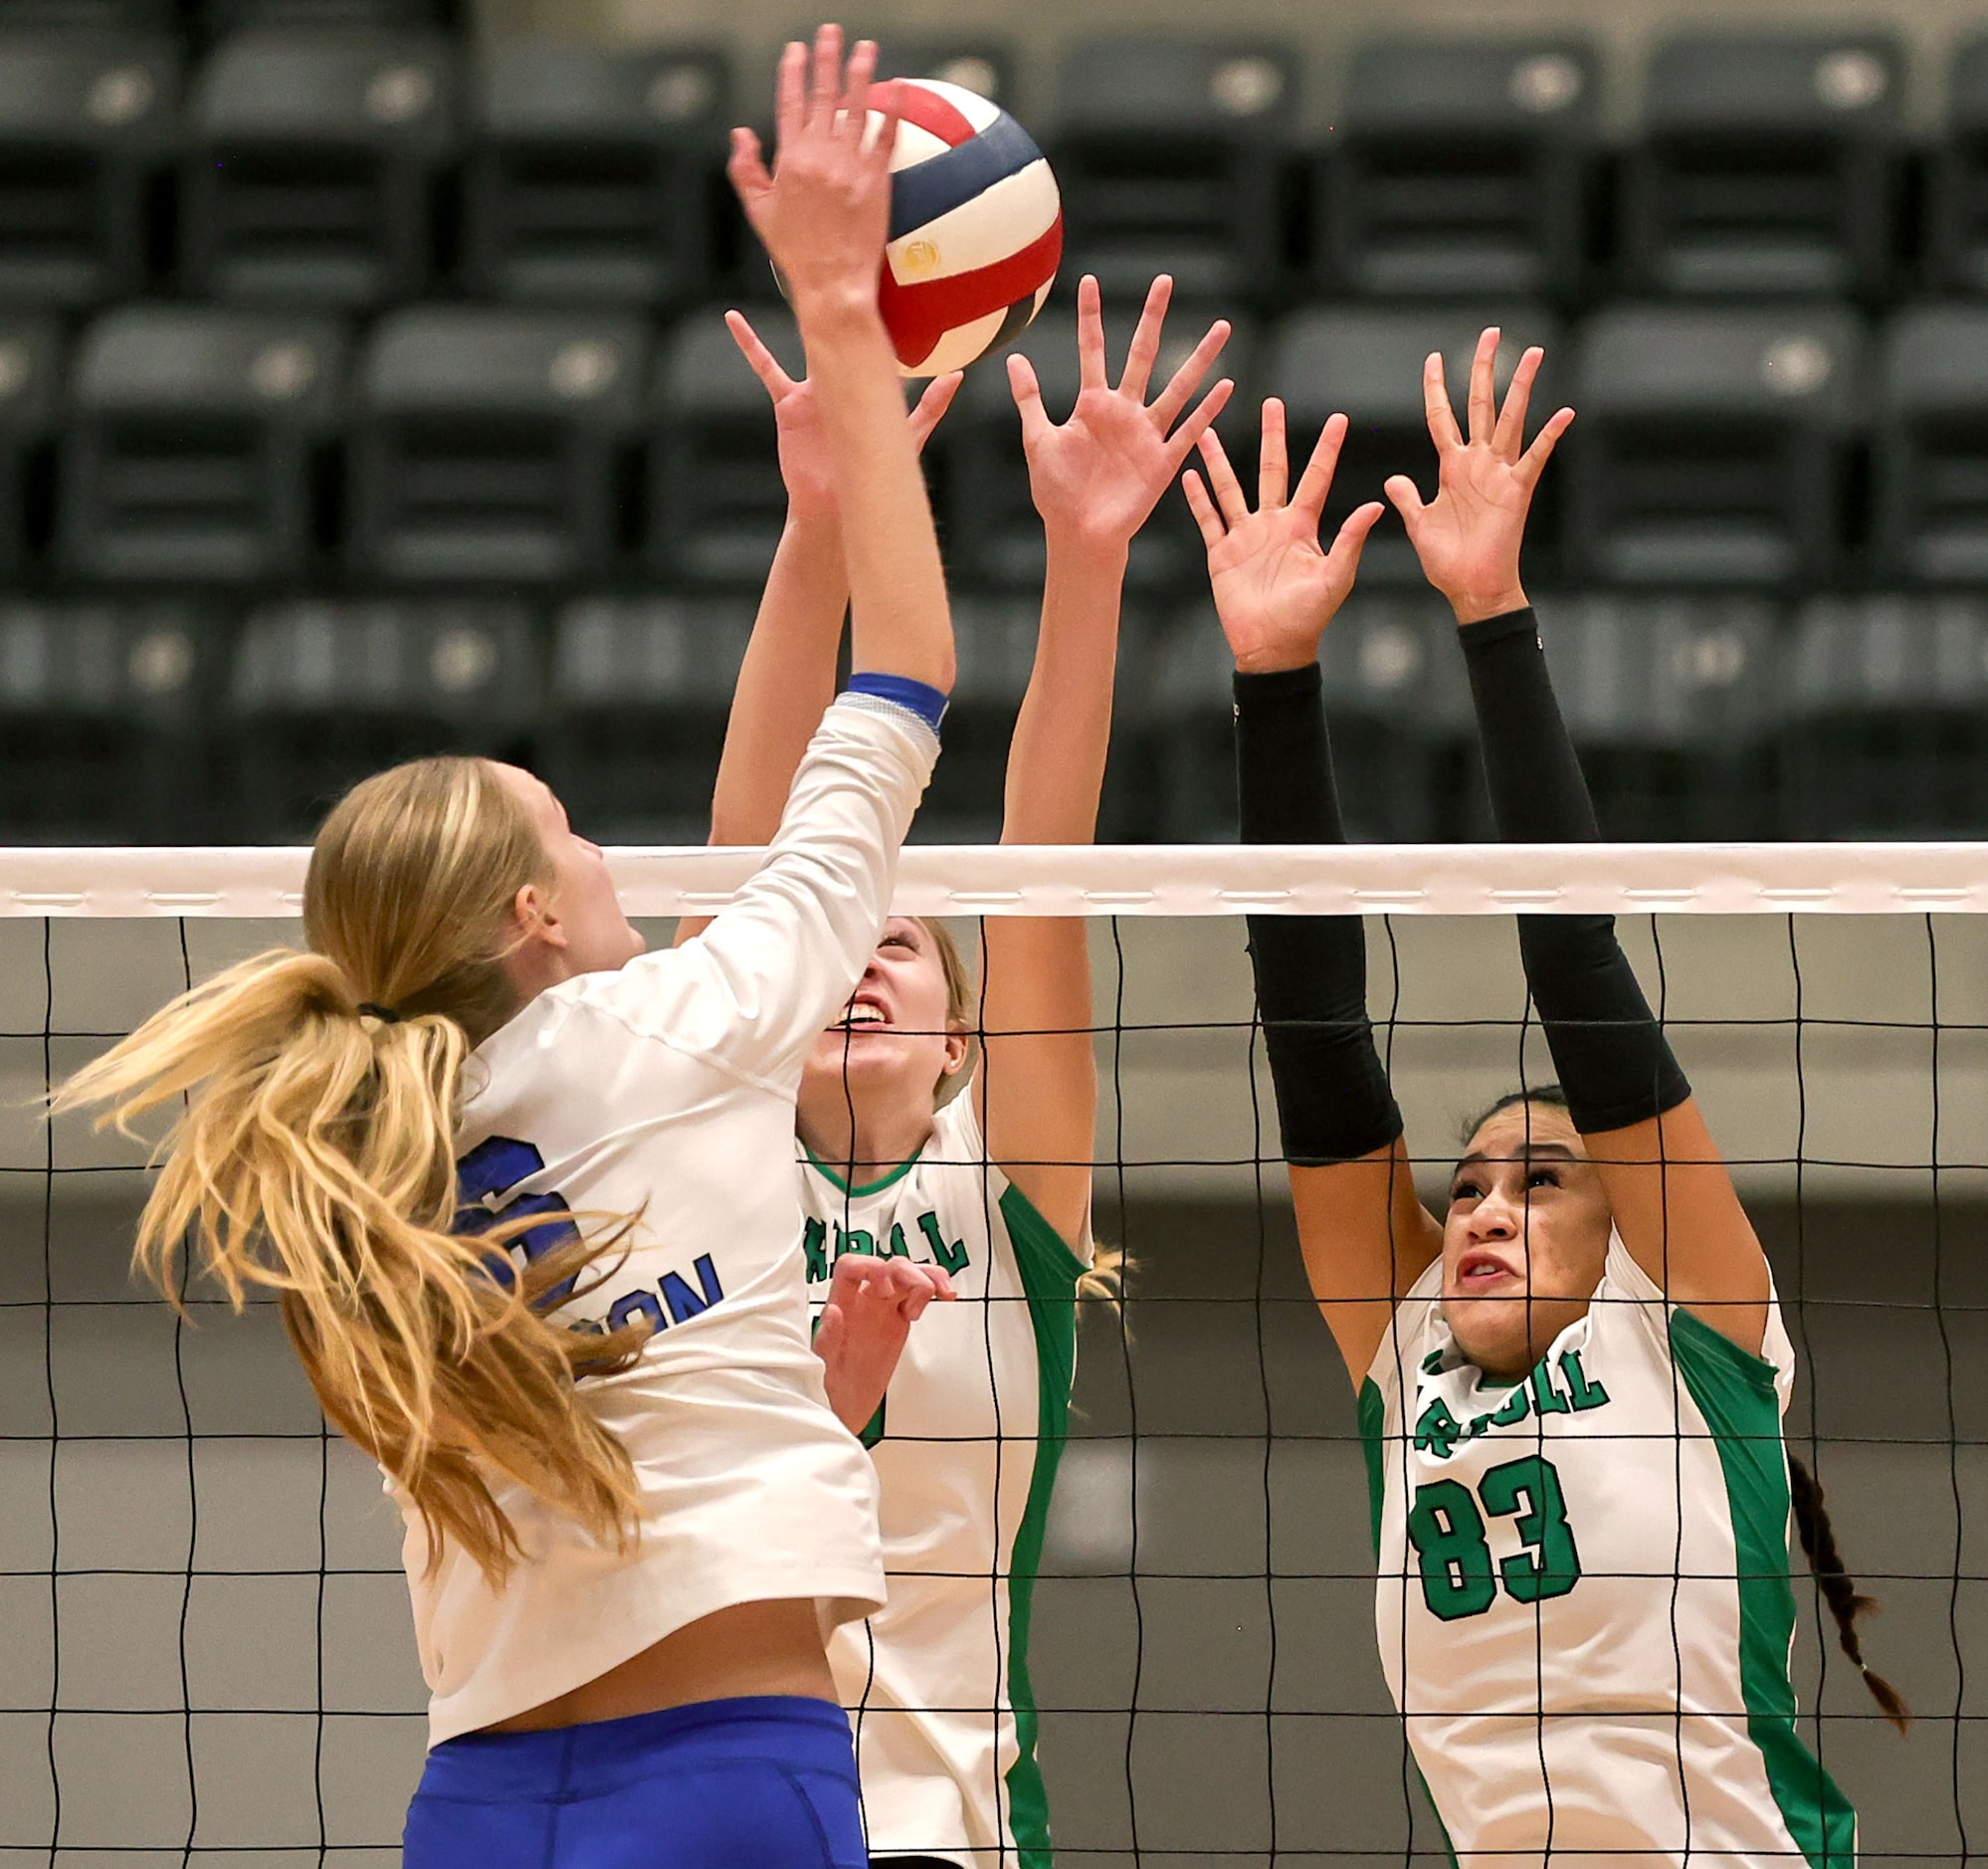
pixel 204 1639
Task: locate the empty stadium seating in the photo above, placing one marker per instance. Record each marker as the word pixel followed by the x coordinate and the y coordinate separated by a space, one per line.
pixel 1461 168
pixel 329 335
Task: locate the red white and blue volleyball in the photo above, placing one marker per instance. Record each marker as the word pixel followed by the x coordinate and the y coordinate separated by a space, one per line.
pixel 976 228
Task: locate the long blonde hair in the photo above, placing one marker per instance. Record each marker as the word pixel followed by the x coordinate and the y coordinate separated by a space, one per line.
pixel 315 1158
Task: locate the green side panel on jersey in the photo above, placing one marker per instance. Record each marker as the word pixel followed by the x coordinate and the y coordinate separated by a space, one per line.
pixel 1373 1431
pixel 1373 1444
pixel 1050 1271
pixel 1734 1391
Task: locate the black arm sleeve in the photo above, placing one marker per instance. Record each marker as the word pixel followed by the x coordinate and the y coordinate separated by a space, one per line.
pixel 1332 1098
pixel 1611 1055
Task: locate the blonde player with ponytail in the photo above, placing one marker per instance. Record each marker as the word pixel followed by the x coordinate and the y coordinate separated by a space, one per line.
pixel 507 1177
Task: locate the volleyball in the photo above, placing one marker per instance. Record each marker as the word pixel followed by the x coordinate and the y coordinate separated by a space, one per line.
pixel 976 228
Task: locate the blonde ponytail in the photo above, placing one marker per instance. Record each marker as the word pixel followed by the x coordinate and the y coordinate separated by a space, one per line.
pixel 315 1158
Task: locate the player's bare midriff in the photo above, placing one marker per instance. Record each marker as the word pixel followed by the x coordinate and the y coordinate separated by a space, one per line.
pixel 748 1649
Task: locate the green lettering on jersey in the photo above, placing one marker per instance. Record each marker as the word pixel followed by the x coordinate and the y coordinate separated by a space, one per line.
pixel 899 1249
pixel 953 1257
pixel 1438 1431
pixel 856 1240
pixel 814 1247
pixel 1517 1406
pixel 873 1431
pixel 1583 1393
pixel 1545 1397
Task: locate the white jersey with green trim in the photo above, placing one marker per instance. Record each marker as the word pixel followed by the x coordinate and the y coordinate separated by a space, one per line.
pixel 1585 1607
pixel 966 1445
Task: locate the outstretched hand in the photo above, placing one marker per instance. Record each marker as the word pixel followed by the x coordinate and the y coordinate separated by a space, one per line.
pixel 805 463
pixel 1469 536
pixel 1276 588
pixel 872 1305
pixel 1097 477
pixel 823 210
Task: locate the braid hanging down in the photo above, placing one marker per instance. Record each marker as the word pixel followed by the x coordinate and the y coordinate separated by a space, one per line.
pixel 1846 1601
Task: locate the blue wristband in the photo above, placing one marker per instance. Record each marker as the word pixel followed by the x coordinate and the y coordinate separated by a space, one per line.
pixel 918 698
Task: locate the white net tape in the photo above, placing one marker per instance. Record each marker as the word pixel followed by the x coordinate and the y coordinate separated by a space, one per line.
pixel 1136 879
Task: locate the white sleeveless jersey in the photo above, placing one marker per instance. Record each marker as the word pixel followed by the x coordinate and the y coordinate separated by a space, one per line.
pixel 662 1090
pixel 966 1445
pixel 1584 1609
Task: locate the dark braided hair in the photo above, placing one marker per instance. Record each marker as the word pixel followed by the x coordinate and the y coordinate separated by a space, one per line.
pixel 1846 1602
pixel 1812 1524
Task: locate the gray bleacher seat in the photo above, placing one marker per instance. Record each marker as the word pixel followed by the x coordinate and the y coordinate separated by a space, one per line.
pixel 323 693
pixel 312 162
pixel 492 446
pixel 1932 451
pixel 640 690
pixel 1672 703
pixel 1170 156
pixel 30 387
pixel 1713 445
pixel 103 714
pixel 194 444
pixel 1396 698
pixel 717 502
pixel 227 16
pixel 1368 363
pixel 87 130
pixel 975 60
pixel 1887 731
pixel 1765 163
pixel 996 638
pixel 94 15
pixel 1957 177
pixel 1460 167
pixel 994 535
pixel 590 177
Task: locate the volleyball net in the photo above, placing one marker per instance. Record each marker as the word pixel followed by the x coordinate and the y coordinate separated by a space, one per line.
pixel 204 1648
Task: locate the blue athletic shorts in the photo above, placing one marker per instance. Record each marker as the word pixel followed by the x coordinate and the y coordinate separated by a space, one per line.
pixel 764 1782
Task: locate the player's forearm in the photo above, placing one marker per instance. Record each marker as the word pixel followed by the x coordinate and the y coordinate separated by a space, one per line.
pixel 1056 759
pixel 899 621
pixel 785 683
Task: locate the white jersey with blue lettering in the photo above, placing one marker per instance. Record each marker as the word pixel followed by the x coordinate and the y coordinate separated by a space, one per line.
pixel 662 1090
pixel 1584 1609
pixel 966 1443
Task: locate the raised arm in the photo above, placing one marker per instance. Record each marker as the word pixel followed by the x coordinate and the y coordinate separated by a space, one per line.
pixel 1364 1235
pixel 824 215
pixel 789 950
pixel 787 677
pixel 1674 1201
pixel 1096 480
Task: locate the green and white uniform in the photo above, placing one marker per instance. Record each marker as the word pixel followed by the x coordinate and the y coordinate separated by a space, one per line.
pixel 1585 1610
pixel 966 1445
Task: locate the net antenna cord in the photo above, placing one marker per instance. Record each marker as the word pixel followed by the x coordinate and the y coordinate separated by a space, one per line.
pixel 1129 880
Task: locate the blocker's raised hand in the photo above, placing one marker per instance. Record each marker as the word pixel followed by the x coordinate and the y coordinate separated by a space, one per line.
pixel 1097 477
pixel 1469 536
pixel 872 1305
pixel 825 209
pixel 1276 588
pixel 805 467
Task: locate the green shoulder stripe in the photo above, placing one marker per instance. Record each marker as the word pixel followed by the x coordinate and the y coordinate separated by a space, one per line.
pixel 1734 1391
pixel 1050 1271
